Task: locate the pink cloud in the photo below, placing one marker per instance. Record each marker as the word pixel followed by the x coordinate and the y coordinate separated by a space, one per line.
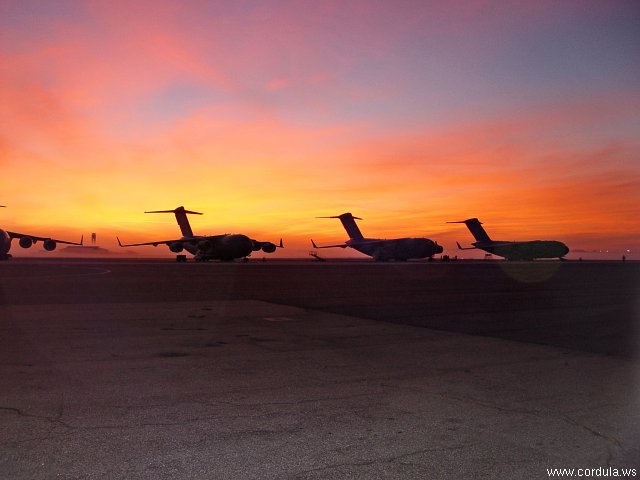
pixel 72 134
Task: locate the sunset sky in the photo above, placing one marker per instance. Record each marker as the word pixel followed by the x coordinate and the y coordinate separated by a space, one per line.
pixel 264 115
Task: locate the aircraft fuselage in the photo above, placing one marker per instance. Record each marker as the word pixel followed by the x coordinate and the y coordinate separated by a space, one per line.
pixel 217 247
pixel 5 245
pixel 396 249
pixel 525 250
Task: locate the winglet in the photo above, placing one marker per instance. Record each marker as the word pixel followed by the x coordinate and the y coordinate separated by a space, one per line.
pixel 458 243
pixel 119 243
pixel 281 245
pixel 313 243
pixel 82 239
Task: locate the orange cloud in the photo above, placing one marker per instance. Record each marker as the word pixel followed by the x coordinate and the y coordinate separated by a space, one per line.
pixel 289 116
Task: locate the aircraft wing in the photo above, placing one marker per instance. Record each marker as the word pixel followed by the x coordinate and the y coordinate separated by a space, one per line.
pixel 266 247
pixel 354 244
pixel 42 239
pixel 279 245
pixel 342 245
pixel 461 247
pixel 156 243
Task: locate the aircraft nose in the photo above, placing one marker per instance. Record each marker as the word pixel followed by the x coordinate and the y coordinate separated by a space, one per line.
pixel 438 248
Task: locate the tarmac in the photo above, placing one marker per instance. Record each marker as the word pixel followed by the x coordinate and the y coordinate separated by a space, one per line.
pixel 293 369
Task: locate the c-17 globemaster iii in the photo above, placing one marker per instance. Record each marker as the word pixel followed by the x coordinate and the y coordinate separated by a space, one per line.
pixel 527 250
pixel 25 241
pixel 383 249
pixel 225 247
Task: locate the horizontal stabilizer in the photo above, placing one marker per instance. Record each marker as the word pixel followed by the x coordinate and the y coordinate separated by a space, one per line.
pixel 340 216
pixel 181 218
pixel 349 223
pixel 475 227
pixel 468 220
pixel 179 209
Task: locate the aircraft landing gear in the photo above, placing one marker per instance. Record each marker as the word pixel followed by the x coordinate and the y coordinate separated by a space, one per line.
pixel 181 258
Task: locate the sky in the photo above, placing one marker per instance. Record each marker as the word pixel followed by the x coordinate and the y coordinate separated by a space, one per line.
pixel 267 114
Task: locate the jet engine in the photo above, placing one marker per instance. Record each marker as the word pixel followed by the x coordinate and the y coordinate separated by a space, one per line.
pixel 268 247
pixel 25 242
pixel 49 245
pixel 176 247
pixel 257 246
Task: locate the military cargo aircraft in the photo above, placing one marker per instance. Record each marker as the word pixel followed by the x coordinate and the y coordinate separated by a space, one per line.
pixel 226 247
pixel 399 249
pixel 527 250
pixel 26 241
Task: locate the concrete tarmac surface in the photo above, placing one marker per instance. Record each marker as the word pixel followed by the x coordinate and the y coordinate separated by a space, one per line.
pixel 153 369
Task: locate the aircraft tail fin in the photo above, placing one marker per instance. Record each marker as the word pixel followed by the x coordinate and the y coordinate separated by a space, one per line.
pixel 349 224
pixel 475 227
pixel 181 218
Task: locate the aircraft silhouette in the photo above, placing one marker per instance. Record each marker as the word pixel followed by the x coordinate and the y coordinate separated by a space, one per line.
pixel 400 249
pixel 528 250
pixel 25 241
pixel 224 247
